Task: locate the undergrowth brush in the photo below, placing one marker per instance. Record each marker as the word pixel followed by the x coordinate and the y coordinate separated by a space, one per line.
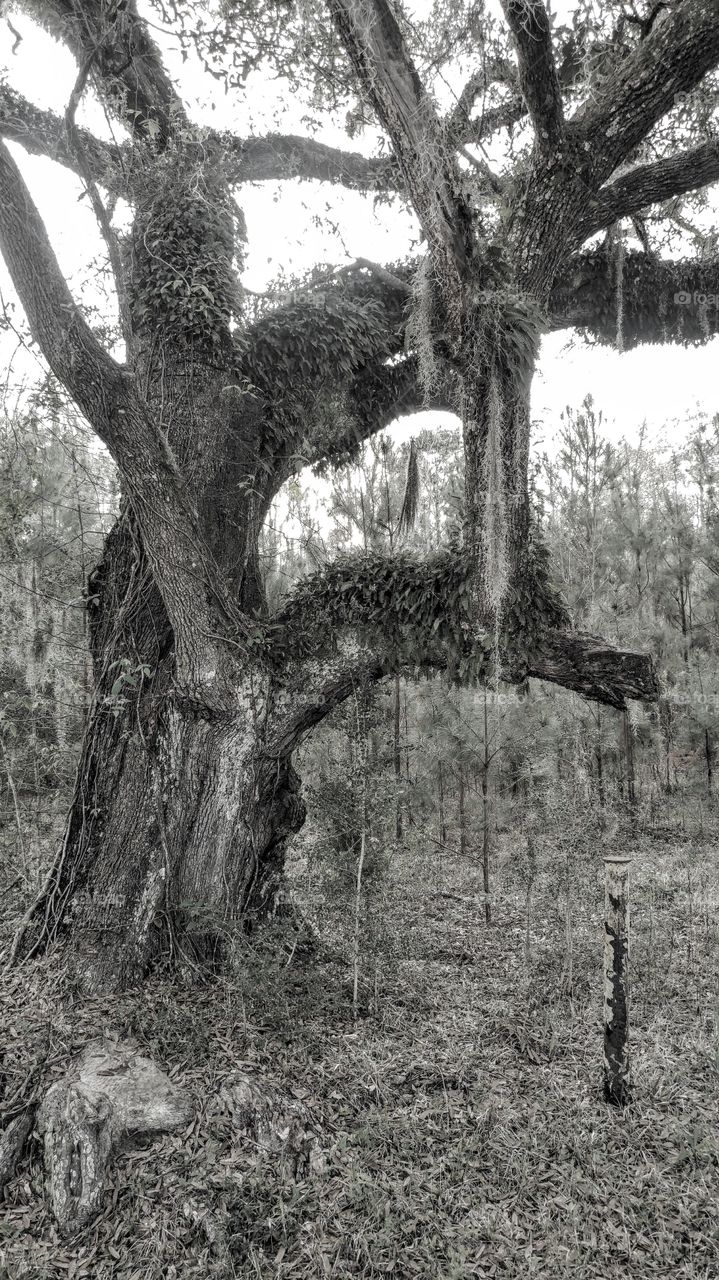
pixel 459 1107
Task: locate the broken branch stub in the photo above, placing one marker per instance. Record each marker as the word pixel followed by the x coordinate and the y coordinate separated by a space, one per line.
pixel 111 1091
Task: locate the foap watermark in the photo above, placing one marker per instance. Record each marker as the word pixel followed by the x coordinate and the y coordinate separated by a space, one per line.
pixel 695 98
pixel 698 701
pixel 687 298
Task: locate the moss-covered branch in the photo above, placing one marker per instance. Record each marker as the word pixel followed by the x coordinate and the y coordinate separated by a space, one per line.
pixel 42 133
pixel 421 615
pixel 637 299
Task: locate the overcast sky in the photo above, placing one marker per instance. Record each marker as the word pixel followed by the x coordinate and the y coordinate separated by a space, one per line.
pixel 663 386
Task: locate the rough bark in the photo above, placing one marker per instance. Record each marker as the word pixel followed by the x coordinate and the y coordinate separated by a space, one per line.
pixel 538 78
pixel 682 46
pixel 181 563
pixel 13 1140
pixel 648 184
pixel 376 48
pixel 175 838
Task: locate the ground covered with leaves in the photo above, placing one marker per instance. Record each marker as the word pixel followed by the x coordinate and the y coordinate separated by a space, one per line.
pixel 459 1113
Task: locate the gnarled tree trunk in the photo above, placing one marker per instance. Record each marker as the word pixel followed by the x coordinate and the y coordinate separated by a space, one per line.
pixel 180 817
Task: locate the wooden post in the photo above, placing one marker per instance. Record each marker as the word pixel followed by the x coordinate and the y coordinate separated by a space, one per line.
pixel 617 1077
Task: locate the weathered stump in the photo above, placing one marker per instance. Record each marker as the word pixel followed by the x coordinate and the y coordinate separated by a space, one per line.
pixel 111 1091
pixel 617 1076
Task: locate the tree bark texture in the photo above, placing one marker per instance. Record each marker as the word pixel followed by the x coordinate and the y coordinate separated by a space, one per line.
pixel 179 818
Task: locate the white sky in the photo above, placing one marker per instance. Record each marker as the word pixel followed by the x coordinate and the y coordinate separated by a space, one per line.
pixel 657 385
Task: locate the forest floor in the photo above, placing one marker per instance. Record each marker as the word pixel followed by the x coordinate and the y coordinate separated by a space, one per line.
pixel 460 1113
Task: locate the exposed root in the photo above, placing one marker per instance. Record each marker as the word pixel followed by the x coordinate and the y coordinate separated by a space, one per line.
pixel 12 1142
pixel 111 1091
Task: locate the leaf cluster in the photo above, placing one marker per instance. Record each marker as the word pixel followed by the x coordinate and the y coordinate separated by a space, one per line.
pixel 305 342
pixel 182 280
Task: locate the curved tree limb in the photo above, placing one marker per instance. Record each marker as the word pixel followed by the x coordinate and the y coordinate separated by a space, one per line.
pixel 406 613
pixel 107 395
pixel 273 158
pixel 319 691
pixel 682 46
pixel 649 184
pixel 379 395
pixel 574 660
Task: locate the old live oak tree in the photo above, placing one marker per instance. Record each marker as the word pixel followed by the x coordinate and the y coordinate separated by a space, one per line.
pixel 603 150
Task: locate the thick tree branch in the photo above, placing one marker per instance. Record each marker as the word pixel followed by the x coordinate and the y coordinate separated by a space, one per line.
pixel 409 614
pixel 682 46
pixel 378 395
pixel 127 66
pixel 590 666
pixel 42 133
pixel 319 691
pixel 574 660
pixel 538 79
pixel 371 35
pixel 649 184
pixel 638 299
pixel 106 394
pixel 279 157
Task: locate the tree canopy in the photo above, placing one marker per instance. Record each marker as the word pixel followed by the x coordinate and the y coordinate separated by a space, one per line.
pixel 560 171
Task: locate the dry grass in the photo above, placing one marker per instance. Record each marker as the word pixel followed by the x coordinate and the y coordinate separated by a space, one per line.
pixel 461 1115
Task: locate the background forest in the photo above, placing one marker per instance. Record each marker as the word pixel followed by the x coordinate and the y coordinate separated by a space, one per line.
pixel 450 869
